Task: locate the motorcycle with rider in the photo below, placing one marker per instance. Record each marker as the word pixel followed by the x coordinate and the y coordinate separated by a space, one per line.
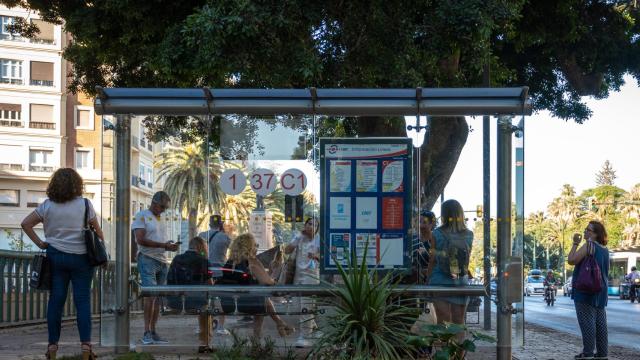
pixel 633 279
pixel 550 288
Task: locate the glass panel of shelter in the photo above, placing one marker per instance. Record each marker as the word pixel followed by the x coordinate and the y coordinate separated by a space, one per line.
pixel 271 156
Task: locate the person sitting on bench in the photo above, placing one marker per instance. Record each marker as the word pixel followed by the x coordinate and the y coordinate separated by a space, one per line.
pixel 243 268
pixel 192 268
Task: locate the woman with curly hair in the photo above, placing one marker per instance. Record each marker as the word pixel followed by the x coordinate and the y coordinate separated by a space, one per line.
pixel 62 216
pixel 243 268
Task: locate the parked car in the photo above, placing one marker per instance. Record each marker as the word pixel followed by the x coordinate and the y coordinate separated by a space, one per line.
pixel 534 284
pixel 566 288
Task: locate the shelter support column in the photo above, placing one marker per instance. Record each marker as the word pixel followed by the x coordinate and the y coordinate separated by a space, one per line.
pixel 123 256
pixel 504 308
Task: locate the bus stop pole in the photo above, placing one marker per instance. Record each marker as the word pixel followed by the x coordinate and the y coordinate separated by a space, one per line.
pixel 123 256
pixel 486 206
pixel 504 313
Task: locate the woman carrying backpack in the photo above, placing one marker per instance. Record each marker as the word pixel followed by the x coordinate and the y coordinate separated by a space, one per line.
pixel 590 305
pixel 450 248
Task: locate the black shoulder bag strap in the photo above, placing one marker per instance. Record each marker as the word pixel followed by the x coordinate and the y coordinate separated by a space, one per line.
pixel 86 213
pixel 212 235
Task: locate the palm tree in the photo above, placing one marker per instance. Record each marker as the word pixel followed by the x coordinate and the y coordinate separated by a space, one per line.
pixel 535 224
pixel 564 211
pixel 191 178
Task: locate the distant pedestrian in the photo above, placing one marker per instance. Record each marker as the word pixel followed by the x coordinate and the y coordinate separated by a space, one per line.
pixel 307 256
pixel 449 262
pixel 151 235
pixel 421 244
pixel 218 241
pixel 62 216
pixel 590 308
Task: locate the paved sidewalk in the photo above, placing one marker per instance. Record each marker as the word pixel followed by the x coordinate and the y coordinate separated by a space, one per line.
pixel 30 342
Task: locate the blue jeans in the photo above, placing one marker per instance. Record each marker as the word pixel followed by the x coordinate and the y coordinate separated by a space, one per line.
pixel 67 267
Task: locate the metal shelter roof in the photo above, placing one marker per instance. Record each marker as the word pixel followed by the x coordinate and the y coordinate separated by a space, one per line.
pixel 348 102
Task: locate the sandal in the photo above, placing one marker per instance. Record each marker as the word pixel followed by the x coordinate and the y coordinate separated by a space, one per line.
pixel 87 354
pixel 204 349
pixel 52 349
pixel 285 330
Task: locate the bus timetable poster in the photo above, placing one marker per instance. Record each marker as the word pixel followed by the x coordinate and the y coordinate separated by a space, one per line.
pixel 366 198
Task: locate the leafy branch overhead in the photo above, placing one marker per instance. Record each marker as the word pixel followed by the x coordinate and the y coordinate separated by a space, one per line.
pixel 561 49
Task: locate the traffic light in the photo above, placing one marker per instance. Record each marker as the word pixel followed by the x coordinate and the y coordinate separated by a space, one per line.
pixel 479 211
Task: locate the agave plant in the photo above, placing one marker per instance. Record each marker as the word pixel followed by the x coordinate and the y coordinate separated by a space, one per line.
pixel 368 322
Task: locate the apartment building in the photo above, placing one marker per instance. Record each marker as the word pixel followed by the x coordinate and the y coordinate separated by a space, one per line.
pixel 32 117
pixel 43 128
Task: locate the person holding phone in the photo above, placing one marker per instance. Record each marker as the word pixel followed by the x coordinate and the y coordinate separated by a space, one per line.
pixel 151 235
pixel 591 308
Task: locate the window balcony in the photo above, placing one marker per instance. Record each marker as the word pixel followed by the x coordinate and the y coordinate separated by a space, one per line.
pixel 150 185
pixel 142 181
pixel 41 168
pixel 150 146
pixel 11 123
pixel 42 41
pixel 135 181
pixel 42 125
pixel 11 81
pixel 36 82
pixel 135 143
pixel 143 143
pixel 13 167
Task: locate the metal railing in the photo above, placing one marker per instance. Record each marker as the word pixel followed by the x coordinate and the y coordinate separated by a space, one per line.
pixel 16 167
pixel 37 82
pixel 11 123
pixel 42 125
pixel 22 305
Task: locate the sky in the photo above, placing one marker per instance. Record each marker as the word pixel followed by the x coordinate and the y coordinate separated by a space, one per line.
pixel 560 152
pixel 557 152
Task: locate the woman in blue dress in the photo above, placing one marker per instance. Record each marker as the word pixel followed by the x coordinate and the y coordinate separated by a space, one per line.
pixel 450 249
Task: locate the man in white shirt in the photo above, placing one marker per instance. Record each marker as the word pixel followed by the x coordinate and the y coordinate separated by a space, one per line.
pixel 151 235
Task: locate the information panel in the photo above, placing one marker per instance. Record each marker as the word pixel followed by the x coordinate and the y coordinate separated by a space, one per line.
pixel 366 201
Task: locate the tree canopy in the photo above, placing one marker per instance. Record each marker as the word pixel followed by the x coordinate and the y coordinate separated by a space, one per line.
pixel 561 49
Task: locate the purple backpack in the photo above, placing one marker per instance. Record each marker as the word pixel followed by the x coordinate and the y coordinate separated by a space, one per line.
pixel 590 278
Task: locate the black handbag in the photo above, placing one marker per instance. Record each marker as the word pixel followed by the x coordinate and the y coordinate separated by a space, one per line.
pixel 40 276
pixel 96 251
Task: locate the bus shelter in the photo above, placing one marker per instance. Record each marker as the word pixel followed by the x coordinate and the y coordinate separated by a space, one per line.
pixel 266 159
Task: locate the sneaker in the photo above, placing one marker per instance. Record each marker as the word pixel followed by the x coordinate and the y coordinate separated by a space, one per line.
pixel 582 356
pixel 245 319
pixel 223 332
pixel 147 339
pixel 303 343
pixel 157 339
pixel 317 334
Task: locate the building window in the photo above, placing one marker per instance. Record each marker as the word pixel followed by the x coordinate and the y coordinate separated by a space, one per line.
pixel 35 198
pixel 83 159
pixel 41 117
pixel 12 157
pixel 10 115
pixel 5 34
pixel 9 197
pixel 84 117
pixel 41 73
pixel 141 175
pixel 45 36
pixel 150 177
pixel 134 208
pixel 40 160
pixel 10 71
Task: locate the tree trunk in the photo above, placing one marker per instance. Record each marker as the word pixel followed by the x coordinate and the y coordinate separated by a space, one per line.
pixel 440 151
pixel 193 226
